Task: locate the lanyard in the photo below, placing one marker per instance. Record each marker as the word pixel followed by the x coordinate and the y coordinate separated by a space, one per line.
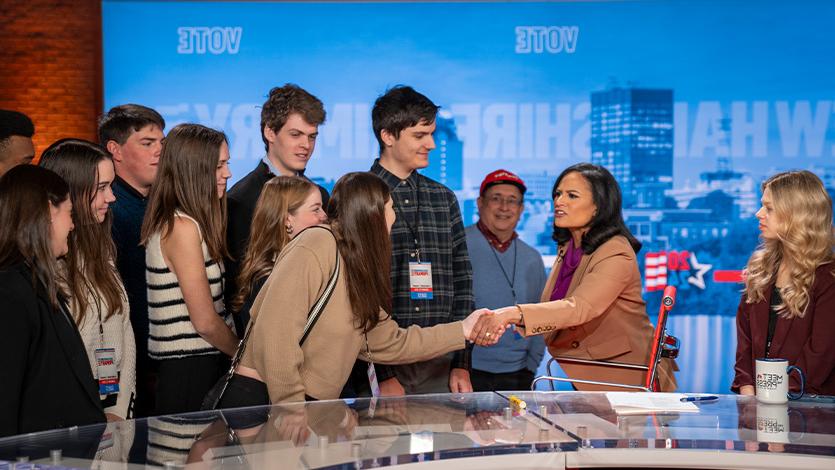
pixel 402 214
pixel 368 349
pixel 511 280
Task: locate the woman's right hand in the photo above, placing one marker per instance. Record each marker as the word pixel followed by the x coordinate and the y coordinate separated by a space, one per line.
pixel 484 327
pixel 491 326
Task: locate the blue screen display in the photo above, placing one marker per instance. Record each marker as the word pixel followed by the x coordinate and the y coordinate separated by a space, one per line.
pixel 691 105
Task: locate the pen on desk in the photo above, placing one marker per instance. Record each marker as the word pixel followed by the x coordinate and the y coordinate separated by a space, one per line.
pixel 517 402
pixel 701 398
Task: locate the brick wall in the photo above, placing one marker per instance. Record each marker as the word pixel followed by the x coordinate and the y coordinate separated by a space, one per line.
pixel 50 66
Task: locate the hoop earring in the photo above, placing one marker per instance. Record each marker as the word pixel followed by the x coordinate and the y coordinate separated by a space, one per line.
pixel 288 229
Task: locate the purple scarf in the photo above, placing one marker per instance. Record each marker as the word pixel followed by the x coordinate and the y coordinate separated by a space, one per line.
pixel 570 261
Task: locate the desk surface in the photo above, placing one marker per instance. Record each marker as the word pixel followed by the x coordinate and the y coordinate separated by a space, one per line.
pixel 479 430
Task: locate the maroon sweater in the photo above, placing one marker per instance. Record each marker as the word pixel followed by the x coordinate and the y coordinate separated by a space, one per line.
pixel 806 342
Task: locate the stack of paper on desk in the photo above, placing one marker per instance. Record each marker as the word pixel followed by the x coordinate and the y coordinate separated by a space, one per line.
pixel 641 403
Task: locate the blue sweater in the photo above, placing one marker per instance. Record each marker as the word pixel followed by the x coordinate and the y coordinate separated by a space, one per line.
pixel 491 289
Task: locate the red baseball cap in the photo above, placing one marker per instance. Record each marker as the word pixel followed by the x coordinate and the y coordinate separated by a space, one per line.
pixel 502 177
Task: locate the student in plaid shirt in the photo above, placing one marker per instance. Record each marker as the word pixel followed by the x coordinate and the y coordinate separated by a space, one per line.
pixel 428 242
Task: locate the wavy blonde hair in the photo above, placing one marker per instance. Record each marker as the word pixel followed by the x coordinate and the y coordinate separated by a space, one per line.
pixel 805 240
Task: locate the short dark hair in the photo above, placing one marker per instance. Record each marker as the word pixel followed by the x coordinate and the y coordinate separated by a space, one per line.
pixel 286 100
pixel 608 221
pixel 123 120
pixel 15 123
pixel 401 107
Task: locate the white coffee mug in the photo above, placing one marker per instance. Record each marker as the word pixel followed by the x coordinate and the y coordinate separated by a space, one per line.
pixel 772 423
pixel 772 381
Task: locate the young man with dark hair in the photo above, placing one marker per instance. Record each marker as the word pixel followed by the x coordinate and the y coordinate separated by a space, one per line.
pixel 430 271
pixel 290 120
pixel 133 135
pixel 16 148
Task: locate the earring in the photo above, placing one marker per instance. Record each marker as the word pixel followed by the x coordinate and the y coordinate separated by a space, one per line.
pixel 289 229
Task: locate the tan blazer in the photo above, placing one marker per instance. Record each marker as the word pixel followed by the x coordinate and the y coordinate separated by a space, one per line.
pixel 602 317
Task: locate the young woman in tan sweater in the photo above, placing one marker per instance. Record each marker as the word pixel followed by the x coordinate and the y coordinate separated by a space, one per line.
pixel 275 368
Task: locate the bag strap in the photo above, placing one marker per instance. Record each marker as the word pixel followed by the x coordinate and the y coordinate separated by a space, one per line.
pixel 312 316
pixel 319 306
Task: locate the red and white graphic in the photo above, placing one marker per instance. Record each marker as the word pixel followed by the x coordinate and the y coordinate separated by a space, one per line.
pixel 655 271
pixel 663 266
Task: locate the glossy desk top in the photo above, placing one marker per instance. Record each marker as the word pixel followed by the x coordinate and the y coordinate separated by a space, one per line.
pixel 556 429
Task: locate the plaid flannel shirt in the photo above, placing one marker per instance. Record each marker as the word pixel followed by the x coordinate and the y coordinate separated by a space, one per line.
pixel 442 242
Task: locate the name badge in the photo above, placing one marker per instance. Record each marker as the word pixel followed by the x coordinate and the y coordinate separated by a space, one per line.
pixel 420 280
pixel 107 372
pixel 372 380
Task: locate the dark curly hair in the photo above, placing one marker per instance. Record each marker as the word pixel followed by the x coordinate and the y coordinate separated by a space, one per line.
pixel 286 100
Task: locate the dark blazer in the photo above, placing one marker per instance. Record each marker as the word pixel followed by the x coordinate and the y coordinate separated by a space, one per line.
pixel 45 375
pixel 240 204
pixel 806 342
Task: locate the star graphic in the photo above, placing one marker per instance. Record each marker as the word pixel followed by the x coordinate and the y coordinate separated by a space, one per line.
pixel 698 279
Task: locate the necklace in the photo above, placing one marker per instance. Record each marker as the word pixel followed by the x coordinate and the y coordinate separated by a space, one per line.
pixel 511 280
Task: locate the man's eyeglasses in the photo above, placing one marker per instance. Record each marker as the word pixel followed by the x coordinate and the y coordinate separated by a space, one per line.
pixel 498 201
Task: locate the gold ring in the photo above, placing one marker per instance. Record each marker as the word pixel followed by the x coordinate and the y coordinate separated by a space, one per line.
pixel 488 334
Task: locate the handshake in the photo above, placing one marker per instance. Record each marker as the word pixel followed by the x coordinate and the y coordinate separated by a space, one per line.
pixel 484 327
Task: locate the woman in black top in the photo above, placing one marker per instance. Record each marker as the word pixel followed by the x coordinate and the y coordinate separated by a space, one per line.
pixel 46 379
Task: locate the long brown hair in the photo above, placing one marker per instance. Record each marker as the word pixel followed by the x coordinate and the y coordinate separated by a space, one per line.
pixel 358 218
pixel 281 196
pixel 186 181
pixel 805 240
pixel 90 261
pixel 26 194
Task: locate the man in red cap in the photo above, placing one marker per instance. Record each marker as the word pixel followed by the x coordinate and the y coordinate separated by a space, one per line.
pixel 506 271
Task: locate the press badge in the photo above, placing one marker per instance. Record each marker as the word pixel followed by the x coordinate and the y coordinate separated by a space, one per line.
pixel 372 380
pixel 420 280
pixel 108 374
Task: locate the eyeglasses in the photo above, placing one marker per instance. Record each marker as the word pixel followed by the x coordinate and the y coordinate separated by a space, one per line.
pixel 498 201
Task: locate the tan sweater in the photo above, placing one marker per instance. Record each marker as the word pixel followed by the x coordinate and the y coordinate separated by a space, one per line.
pixel 321 367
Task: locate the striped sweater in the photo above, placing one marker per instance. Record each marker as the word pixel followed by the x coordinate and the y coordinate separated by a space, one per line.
pixel 172 335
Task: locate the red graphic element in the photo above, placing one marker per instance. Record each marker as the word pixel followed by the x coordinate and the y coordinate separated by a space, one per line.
pixel 655 271
pixel 658 264
pixel 727 276
pixel 678 260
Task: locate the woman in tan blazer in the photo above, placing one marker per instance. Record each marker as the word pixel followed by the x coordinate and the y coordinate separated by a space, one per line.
pixel 591 307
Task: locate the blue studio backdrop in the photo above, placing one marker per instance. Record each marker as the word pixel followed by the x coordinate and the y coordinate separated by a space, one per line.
pixel 690 105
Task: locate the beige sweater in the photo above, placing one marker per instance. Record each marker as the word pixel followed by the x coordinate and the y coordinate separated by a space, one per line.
pixel 321 367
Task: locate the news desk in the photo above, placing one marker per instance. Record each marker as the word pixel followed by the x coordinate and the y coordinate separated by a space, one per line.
pixel 458 431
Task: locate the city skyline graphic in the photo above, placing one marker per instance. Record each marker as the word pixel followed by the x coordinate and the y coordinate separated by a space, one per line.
pixel 691 105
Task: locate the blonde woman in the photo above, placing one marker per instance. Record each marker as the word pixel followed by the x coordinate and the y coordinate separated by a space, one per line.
pixel 788 306
pixel 287 205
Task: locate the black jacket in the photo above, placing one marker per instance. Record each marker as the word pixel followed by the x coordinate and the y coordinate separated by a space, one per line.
pixel 45 377
pixel 240 202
